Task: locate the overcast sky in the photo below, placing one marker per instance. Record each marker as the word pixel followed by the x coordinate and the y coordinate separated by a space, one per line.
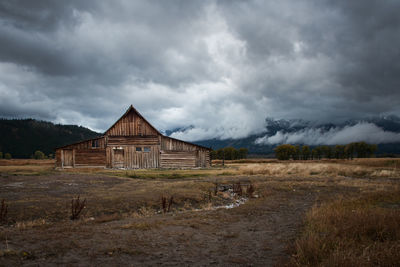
pixel 220 66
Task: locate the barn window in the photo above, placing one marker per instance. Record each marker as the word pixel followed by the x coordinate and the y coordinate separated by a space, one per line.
pixel 138 149
pixel 146 149
pixel 95 143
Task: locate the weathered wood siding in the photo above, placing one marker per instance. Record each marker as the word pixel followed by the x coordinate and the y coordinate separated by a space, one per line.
pixel 133 140
pixel 179 154
pixel 90 157
pixel 82 154
pixel 130 125
pixel 178 159
pixel 203 158
pixel 129 157
pixel 168 143
pixel 67 157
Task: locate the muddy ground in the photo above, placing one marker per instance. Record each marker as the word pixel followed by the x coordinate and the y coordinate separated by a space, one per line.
pixel 122 224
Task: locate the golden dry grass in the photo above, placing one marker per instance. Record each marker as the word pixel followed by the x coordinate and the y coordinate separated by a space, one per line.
pixel 362 231
pixel 26 162
pixel 325 169
pixel 26 166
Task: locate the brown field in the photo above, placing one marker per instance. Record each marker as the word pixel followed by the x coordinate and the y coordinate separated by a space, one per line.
pixel 319 213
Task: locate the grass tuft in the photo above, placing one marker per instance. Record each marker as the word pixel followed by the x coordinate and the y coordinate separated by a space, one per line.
pixel 3 211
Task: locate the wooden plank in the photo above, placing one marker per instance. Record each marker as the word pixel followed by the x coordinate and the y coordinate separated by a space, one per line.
pixel 91 157
pixel 130 125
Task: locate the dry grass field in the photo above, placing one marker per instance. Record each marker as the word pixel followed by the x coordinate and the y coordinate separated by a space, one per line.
pixel 319 213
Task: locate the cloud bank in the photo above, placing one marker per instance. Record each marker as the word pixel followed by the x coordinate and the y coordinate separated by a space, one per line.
pixel 362 131
pixel 220 66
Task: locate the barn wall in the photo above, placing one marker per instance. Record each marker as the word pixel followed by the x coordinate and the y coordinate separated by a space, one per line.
pixel 140 159
pixel 58 158
pixel 178 159
pixel 131 125
pixel 203 158
pixel 168 143
pixel 179 154
pixel 90 157
pixel 131 158
pixel 133 140
pixel 83 153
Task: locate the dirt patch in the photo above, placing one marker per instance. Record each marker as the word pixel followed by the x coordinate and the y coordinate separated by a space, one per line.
pixel 123 223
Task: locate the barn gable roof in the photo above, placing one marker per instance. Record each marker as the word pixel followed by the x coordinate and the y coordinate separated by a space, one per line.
pixel 80 142
pixel 131 108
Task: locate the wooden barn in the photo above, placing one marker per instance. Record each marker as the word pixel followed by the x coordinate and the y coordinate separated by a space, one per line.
pixel 133 143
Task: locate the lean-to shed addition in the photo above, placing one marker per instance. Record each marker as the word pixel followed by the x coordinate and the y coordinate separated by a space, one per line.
pixel 133 143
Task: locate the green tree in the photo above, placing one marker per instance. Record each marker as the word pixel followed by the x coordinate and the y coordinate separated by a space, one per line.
pixel 305 152
pixel 326 151
pixel 284 152
pixel 7 156
pixel 371 150
pixel 39 155
pixel 349 151
pixel 339 151
pixel 317 154
pixel 213 154
pixel 229 153
pixel 243 153
pixel 235 154
pixel 296 152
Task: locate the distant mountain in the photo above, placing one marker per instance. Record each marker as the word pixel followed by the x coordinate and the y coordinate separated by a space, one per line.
pixel 384 131
pixel 21 138
pixel 180 129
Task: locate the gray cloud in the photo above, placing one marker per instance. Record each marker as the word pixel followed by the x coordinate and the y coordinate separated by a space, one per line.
pixel 362 131
pixel 221 66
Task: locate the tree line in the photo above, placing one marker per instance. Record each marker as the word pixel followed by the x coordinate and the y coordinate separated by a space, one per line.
pixel 229 153
pixel 37 155
pixel 21 138
pixel 5 155
pixel 349 151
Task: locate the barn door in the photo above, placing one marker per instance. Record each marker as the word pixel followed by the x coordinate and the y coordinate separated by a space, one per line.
pixel 68 158
pixel 118 159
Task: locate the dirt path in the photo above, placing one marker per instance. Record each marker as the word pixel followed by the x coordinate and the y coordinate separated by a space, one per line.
pixel 254 234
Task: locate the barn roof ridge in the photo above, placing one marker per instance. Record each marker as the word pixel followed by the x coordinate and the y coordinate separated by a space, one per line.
pixel 131 107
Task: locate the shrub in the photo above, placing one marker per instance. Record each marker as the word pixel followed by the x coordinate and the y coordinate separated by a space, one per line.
pixel 166 207
pixel 76 207
pixel 237 189
pixel 39 155
pixel 250 190
pixel 1 155
pixel 7 156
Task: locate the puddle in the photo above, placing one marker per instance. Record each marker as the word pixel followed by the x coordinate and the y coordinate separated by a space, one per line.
pixel 16 184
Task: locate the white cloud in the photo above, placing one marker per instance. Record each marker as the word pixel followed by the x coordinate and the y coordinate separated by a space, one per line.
pixel 362 131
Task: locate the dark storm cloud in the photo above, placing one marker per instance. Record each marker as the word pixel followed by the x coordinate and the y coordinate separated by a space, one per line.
pixel 221 66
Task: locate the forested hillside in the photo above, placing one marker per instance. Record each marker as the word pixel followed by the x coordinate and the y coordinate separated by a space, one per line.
pixel 21 138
